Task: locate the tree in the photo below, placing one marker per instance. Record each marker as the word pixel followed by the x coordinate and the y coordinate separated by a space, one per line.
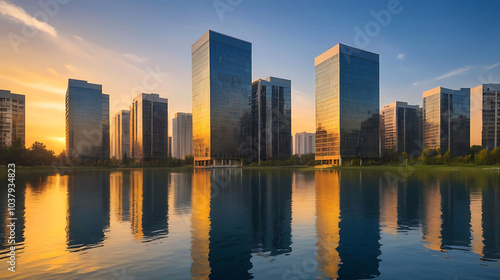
pixel 475 149
pixel 495 155
pixel 447 157
pixel 125 160
pixel 39 155
pixel 482 158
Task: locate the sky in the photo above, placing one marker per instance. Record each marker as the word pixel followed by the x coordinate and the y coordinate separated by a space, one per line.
pixel 145 46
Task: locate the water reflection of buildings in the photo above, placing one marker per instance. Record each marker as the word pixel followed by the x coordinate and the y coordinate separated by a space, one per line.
pixel 272 212
pixel 88 209
pixel 235 214
pixel 149 204
pixel 327 222
pixel 359 246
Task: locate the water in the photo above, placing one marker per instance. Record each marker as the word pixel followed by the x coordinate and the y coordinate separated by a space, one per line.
pixel 254 224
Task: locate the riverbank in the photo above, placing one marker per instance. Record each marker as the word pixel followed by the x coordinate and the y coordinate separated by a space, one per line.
pixel 294 167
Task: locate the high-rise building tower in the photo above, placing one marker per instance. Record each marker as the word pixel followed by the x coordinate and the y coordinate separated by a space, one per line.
pixel 222 80
pixel 304 143
pixel 87 120
pixel 12 118
pixel 347 105
pixel 182 132
pixel 446 120
pixel 400 128
pixel 271 119
pixel 149 127
pixel 485 116
pixel 122 134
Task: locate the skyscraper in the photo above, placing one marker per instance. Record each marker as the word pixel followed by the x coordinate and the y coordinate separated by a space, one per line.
pixel 400 128
pixel 304 143
pixel 347 105
pixel 149 127
pixel 221 77
pixel 182 132
pixel 446 120
pixel 485 116
pixel 271 119
pixel 87 120
pixel 122 134
pixel 12 118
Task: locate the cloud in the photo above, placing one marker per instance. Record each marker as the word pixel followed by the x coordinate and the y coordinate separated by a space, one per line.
pixel 135 58
pixel 415 84
pixel 18 14
pixel 70 67
pixel 53 72
pixel 401 56
pixel 59 106
pixel 492 66
pixel 78 38
pixel 454 72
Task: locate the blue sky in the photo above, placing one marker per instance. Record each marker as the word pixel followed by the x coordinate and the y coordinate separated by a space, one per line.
pixel 425 44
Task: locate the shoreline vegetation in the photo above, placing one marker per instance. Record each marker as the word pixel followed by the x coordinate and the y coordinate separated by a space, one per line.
pixel 38 157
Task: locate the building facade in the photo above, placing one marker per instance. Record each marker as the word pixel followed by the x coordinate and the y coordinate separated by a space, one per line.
pixel 347 105
pixel 87 121
pixel 400 128
pixel 221 84
pixel 12 118
pixel 149 127
pixel 122 134
pixel 485 116
pixel 304 143
pixel 271 119
pixel 446 120
pixel 182 134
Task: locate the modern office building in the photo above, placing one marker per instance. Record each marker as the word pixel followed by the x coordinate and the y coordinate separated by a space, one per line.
pixel 87 121
pixel 12 118
pixel 122 134
pixel 446 120
pixel 347 105
pixel 170 146
pixel 182 133
pixel 304 143
pixel 485 116
pixel 400 128
pixel 221 82
pixel 271 119
pixel 149 127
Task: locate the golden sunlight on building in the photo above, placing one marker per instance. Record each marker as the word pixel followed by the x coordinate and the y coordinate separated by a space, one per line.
pixel 388 208
pixel 327 222
pixel 200 224
pixel 136 200
pixel 432 216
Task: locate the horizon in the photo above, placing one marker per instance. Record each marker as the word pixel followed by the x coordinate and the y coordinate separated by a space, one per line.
pixel 141 49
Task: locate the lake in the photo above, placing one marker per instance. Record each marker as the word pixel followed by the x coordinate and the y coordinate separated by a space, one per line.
pixel 254 224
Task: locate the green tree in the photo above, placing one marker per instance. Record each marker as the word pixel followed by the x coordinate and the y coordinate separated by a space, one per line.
pixel 475 149
pixel 495 155
pixel 482 158
pixel 447 157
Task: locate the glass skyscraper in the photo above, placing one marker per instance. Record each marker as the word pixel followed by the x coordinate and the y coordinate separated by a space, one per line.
pixel 400 128
pixel 12 118
pixel 149 127
pixel 87 121
pixel 271 119
pixel 446 120
pixel 182 132
pixel 222 80
pixel 347 105
pixel 485 116
pixel 122 134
